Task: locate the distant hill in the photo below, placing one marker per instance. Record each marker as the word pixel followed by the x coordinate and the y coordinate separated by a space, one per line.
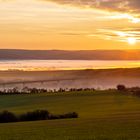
pixel 70 55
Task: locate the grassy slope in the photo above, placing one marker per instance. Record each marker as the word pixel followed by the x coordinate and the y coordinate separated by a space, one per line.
pixel 104 116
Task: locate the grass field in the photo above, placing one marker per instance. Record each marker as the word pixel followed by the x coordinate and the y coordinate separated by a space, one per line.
pixel 103 115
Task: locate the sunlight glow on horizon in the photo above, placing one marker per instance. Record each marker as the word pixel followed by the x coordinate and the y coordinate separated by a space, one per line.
pixel 132 41
pixel 36 24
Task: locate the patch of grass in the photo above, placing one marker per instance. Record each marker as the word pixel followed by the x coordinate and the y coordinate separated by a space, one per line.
pixel 104 115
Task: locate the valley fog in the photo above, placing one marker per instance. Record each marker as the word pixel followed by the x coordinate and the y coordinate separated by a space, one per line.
pixel 99 79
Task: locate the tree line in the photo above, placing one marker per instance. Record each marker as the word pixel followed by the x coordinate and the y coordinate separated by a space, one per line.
pixel 129 90
pixel 27 90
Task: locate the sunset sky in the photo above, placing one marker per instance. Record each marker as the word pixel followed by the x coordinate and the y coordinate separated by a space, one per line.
pixel 70 24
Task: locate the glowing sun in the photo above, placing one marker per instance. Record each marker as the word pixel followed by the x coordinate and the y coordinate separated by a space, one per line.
pixel 131 40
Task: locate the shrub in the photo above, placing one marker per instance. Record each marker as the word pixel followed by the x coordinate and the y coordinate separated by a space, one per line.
pixel 64 116
pixel 6 116
pixel 71 115
pixel 35 115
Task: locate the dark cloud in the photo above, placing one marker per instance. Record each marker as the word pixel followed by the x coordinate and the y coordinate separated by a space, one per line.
pixel 115 5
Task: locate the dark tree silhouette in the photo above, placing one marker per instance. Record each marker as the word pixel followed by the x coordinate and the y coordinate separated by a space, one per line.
pixel 35 115
pixel 6 116
pixel 121 87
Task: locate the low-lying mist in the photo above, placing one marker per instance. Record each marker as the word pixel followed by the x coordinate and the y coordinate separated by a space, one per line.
pixel 99 79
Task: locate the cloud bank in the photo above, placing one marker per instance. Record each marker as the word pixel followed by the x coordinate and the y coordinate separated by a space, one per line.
pixel 132 6
pixel 128 9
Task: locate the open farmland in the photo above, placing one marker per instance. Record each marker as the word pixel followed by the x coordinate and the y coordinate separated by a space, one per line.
pixel 103 115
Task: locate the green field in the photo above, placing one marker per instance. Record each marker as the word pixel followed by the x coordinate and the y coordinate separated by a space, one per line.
pixel 103 115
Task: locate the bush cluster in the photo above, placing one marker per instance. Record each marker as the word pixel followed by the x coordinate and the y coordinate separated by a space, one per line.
pixel 7 116
pixel 64 116
pixel 35 115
